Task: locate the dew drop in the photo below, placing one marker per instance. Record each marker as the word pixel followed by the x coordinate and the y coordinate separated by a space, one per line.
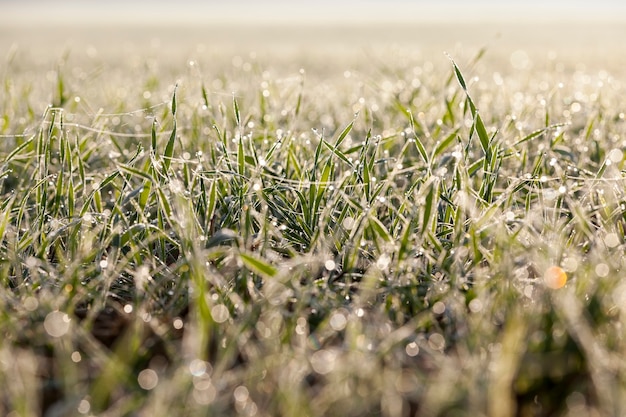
pixel 412 349
pixel 148 379
pixel 57 324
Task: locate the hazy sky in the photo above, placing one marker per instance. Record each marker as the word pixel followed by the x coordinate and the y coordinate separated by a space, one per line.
pixel 311 12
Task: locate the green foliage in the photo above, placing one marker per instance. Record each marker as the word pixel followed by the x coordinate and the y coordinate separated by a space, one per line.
pixel 288 257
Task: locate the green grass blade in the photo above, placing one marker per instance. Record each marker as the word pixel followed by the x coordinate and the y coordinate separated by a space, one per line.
pixel 445 143
pixel 169 149
pixel 418 143
pixel 258 265
pixel 482 135
pixel 380 229
pixel 174 104
pixel 241 157
pixel 236 111
pixel 153 137
pixel 344 133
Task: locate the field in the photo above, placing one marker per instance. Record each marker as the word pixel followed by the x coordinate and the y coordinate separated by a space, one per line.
pixel 339 223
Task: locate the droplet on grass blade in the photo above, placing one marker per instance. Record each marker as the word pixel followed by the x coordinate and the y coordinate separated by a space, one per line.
pixel 220 313
pixel 412 349
pixel 148 379
pixel 323 361
pixel 57 324
pixel 555 277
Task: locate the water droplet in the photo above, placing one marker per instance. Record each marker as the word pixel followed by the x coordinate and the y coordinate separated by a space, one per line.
pixel 383 262
pixel 330 265
pixel 616 155
pixel 555 277
pixel 338 321
pixel 412 349
pixel 612 240
pixel 602 270
pixel 241 394
pixel 197 367
pixel 439 307
pixel 178 323
pixel 148 379
pixel 475 305
pixel 84 406
pixel 57 324
pixel 220 313
pixel 436 341
pixel 323 361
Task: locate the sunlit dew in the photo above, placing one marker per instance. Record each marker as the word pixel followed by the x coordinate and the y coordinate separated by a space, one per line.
pixel 57 324
pixel 220 313
pixel 198 367
pixel 202 382
pixel 330 265
pixel 84 406
pixel 439 307
pixel 148 379
pixel 241 394
pixel 602 270
pixel 436 341
pixel 76 357
pixel 611 240
pixel 178 323
pixel 338 321
pixel 383 262
pixel 570 264
pixel 412 349
pixel 206 395
pixel 555 277
pixel 475 306
pixel 323 361
pixel 30 304
pixel 615 155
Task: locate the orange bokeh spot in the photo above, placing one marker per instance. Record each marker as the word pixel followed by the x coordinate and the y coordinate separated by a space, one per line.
pixel 555 277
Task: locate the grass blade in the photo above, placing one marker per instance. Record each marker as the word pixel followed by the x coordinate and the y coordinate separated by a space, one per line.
pixel 257 265
pixel 169 149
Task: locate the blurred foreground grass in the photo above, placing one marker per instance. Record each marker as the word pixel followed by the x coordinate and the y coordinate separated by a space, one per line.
pixel 312 234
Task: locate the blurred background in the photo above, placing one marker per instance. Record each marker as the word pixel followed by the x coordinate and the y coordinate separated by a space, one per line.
pixel 306 12
pixel 186 29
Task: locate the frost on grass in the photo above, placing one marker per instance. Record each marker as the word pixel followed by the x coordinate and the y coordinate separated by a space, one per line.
pixel 172 247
